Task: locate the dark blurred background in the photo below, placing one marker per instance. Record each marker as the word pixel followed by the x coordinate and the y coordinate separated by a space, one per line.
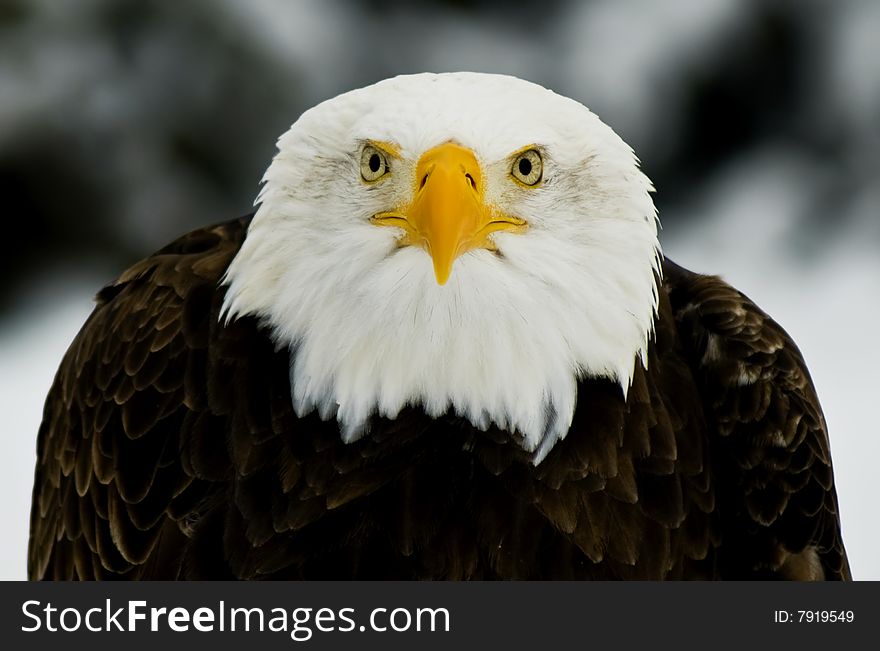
pixel 124 124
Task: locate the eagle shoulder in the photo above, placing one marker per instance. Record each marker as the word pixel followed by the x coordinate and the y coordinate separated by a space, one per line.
pixel 108 469
pixel 775 485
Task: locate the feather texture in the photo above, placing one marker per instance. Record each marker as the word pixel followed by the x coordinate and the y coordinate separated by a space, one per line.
pixel 170 449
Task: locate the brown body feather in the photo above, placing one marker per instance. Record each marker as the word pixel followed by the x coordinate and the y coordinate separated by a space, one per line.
pixel 169 449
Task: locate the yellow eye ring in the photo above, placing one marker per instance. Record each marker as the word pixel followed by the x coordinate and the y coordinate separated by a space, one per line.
pixel 528 167
pixel 374 164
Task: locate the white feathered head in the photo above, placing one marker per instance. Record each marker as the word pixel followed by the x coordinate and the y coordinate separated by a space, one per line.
pixel 461 242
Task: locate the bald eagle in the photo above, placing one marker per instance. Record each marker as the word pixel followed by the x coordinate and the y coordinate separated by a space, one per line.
pixel 446 346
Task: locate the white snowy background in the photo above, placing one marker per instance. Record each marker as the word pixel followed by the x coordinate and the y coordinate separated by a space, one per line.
pixel 792 218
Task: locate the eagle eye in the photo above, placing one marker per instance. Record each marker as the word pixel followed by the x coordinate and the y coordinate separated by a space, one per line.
pixel 528 168
pixel 374 164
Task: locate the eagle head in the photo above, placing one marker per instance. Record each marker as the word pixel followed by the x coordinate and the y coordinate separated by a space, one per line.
pixel 463 243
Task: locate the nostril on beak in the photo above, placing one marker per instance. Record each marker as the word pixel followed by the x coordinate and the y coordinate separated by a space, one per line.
pixel 470 179
pixel 423 181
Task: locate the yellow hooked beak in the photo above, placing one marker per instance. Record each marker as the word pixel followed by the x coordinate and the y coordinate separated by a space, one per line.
pixel 448 215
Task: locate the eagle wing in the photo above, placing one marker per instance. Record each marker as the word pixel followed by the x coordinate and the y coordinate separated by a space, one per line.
pixel 772 461
pixel 113 487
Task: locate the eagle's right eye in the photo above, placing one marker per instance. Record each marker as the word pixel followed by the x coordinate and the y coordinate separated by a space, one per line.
pixel 374 164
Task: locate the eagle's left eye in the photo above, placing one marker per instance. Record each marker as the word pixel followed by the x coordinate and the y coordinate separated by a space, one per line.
pixel 374 164
pixel 528 168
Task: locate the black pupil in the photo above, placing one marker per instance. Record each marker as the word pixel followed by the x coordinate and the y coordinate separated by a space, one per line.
pixel 375 163
pixel 525 166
